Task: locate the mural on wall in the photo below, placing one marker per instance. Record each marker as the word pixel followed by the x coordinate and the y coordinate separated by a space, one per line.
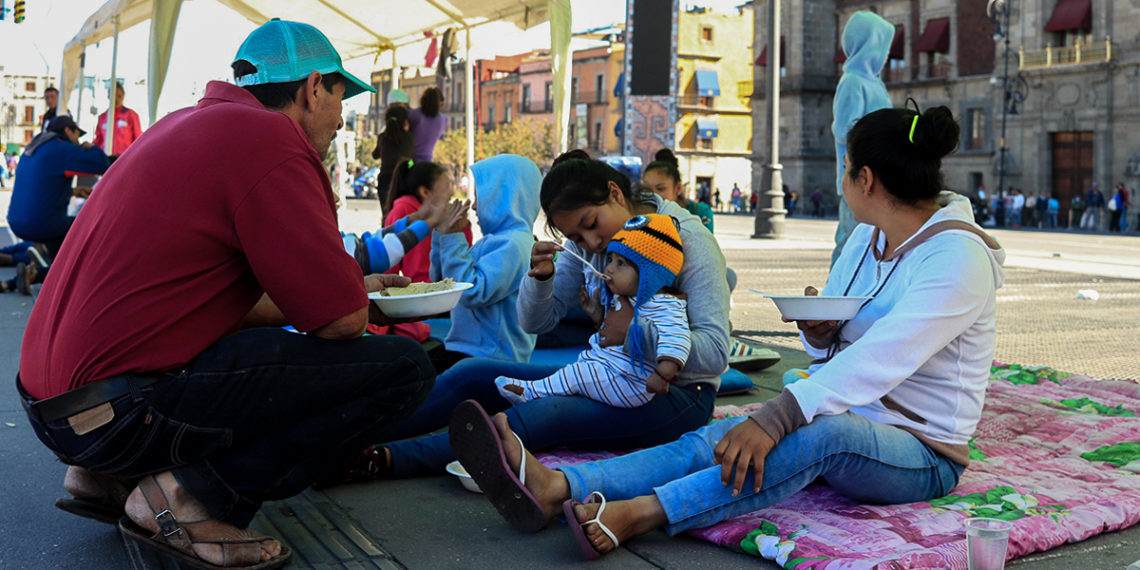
pixel 651 127
pixel 649 120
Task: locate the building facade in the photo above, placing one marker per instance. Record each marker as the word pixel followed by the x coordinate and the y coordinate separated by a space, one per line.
pixel 714 120
pixel 21 106
pixel 1071 103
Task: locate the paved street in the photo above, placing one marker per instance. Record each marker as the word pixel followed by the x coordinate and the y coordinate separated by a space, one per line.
pixel 433 523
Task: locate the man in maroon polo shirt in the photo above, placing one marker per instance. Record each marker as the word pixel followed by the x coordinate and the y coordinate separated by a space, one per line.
pixel 155 349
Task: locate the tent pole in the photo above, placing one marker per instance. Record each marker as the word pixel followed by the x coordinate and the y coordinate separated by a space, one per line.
pixel 79 104
pixel 469 89
pixel 395 74
pixel 109 136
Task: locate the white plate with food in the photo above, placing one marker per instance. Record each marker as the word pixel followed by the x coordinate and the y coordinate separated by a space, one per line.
pixel 455 468
pixel 420 299
pixel 818 308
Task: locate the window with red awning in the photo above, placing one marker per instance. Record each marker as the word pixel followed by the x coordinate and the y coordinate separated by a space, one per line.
pixel 1070 15
pixel 936 36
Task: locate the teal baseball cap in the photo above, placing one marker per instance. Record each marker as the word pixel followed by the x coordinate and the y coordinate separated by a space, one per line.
pixel 288 51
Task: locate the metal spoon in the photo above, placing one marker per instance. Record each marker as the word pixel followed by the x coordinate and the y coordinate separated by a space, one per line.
pixel 600 275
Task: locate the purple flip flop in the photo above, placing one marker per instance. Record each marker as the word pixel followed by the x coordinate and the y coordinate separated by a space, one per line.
pixel 476 444
pixel 579 529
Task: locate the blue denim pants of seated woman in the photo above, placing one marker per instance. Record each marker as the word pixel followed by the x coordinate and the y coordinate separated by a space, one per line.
pixel 864 460
pixel 557 421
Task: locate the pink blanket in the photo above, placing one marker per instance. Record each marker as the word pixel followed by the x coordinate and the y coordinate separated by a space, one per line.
pixel 1056 454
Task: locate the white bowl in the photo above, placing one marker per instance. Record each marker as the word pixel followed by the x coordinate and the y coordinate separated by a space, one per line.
pixel 422 305
pixel 817 308
pixel 468 483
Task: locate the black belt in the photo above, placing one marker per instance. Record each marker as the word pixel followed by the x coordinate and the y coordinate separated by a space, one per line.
pixel 88 396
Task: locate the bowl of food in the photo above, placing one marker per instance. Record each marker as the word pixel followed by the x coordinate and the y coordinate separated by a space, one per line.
pixel 468 483
pixel 818 308
pixel 420 299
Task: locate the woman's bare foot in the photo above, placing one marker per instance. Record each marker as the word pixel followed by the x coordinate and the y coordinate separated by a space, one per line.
pixel 548 486
pixel 626 519
pixel 186 509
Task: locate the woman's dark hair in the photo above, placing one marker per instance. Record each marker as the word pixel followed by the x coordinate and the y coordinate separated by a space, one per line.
pixel 409 177
pixel 904 153
pixel 431 101
pixel 394 133
pixel 667 163
pixel 576 180
pixel 278 95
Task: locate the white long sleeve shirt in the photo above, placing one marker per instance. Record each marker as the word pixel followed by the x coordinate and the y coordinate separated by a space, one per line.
pixel 926 340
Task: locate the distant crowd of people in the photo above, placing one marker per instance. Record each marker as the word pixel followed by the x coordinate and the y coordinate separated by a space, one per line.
pixel 1086 210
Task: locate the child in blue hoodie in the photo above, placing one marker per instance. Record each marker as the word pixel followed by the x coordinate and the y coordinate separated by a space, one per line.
pixel 867 41
pixel 485 322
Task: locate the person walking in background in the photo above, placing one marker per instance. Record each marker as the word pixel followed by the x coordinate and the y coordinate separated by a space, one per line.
pixel 866 41
pixel 737 199
pixel 427 125
pixel 1094 203
pixel 716 199
pixel 1115 204
pixel 1125 201
pixel 1016 204
pixel 817 203
pixel 1029 211
pixel 1051 213
pixel 1041 209
pixel 127 127
pixel 1076 212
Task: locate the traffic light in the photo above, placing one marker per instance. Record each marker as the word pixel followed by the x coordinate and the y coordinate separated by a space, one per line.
pixel 18 11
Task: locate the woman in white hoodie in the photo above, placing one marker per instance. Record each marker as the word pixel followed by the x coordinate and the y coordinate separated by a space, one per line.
pixel 884 419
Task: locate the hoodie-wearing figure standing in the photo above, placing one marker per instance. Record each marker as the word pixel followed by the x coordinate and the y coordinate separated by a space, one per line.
pixel 867 42
pixel 485 322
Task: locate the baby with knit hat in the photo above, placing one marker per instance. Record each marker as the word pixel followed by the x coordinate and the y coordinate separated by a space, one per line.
pixel 643 260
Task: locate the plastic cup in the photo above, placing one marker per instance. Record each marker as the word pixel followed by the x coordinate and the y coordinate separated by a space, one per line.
pixel 986 543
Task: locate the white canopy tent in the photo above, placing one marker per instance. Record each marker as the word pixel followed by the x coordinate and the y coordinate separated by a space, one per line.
pixel 358 28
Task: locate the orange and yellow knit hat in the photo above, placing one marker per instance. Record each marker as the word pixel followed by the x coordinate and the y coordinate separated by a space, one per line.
pixel 653 244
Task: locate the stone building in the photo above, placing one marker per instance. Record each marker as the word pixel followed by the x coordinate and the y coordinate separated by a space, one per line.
pixel 1072 113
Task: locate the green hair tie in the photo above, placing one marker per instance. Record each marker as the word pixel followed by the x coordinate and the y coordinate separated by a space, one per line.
pixel 913 124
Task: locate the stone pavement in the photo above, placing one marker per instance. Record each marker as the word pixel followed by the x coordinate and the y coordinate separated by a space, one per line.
pixel 433 523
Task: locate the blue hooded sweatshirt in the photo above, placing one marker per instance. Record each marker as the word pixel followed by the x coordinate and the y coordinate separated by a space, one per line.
pixel 485 322
pixel 867 42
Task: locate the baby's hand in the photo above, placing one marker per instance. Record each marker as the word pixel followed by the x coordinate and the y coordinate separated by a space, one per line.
pixel 655 384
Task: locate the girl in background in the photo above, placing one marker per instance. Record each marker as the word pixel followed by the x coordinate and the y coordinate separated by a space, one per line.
pixel 664 177
pixel 413 185
pixel 392 146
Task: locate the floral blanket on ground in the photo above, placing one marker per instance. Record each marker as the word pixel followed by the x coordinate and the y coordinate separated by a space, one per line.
pixel 1056 454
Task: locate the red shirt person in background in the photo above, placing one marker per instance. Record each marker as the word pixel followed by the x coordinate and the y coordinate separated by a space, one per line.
pixel 127 127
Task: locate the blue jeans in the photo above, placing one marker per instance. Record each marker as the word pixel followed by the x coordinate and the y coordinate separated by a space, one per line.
pixel 545 423
pixel 863 460
pixel 258 416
